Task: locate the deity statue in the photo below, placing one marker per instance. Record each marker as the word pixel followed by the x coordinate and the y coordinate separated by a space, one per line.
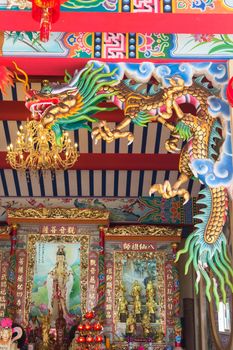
pixel 136 289
pixel 159 337
pixel 150 291
pixel 123 309
pixel 61 331
pixel 147 330
pixel 151 309
pixel 130 325
pixel 5 336
pixel 59 284
pixel 150 305
pixel 45 325
pixel 6 332
pixel 137 308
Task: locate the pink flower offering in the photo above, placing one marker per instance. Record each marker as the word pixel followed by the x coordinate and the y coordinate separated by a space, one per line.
pixel 43 308
pixel 6 323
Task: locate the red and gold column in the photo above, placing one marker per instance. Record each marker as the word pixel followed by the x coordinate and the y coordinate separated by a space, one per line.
pixel 11 276
pixel 100 308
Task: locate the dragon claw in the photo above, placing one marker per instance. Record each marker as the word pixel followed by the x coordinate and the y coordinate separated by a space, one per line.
pixel 167 191
pixel 186 200
pixel 171 146
pixel 130 138
pixel 102 131
pixel 153 189
pixel 185 194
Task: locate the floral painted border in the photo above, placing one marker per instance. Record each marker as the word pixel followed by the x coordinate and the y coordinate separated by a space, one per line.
pixel 118 45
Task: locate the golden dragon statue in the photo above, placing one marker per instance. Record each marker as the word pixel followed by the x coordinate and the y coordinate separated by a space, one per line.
pixel 207 245
pixel 71 105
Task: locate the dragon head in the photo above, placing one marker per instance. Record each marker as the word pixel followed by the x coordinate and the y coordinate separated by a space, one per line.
pixel 54 100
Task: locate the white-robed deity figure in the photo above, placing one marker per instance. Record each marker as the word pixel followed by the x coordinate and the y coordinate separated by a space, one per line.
pixel 59 285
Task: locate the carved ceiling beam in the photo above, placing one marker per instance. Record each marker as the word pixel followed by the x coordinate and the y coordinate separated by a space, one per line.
pixel 58 215
pixel 117 161
pixel 149 232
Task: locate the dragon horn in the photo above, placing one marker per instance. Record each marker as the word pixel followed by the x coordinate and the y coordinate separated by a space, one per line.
pixel 25 82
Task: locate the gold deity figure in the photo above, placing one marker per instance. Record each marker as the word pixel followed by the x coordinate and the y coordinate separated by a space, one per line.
pixel 130 325
pixel 123 305
pixel 123 309
pixel 159 335
pixel 151 309
pixel 137 305
pixel 136 290
pixel 147 330
pixel 150 291
pixel 151 306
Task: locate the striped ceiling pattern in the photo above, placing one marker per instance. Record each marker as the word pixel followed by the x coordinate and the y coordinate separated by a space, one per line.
pixel 110 170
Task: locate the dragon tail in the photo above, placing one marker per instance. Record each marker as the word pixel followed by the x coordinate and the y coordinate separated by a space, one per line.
pixel 207 245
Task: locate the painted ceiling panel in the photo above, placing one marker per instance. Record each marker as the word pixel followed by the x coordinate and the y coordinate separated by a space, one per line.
pixel 85 183
pixel 76 47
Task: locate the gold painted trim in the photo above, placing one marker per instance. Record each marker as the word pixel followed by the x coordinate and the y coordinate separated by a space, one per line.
pixel 144 230
pixel 160 289
pixel 84 250
pixel 74 215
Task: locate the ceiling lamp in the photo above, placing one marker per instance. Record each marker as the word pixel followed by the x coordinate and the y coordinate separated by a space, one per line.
pixel 46 12
pixel 36 149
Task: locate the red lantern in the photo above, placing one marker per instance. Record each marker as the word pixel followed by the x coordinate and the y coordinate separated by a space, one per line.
pixel 99 338
pixel 81 339
pixel 97 327
pixel 230 92
pixel 46 12
pixel 87 326
pixel 89 315
pixel 89 339
pixel 80 327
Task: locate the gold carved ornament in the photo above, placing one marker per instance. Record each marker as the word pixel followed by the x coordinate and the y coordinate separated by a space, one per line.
pixel 71 214
pixel 159 257
pixel 144 230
